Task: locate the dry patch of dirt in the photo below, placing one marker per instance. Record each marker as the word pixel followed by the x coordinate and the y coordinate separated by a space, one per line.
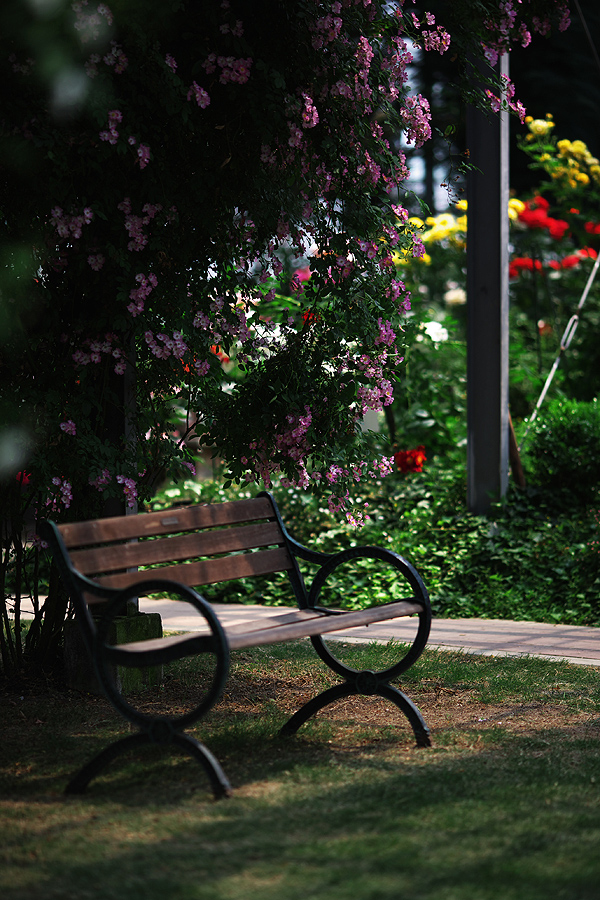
pixel 444 710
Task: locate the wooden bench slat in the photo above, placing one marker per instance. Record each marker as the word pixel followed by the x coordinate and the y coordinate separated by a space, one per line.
pixel 159 651
pixel 320 624
pixel 291 625
pixel 173 549
pixel 275 621
pixel 247 626
pixel 209 571
pixel 119 528
pixel 163 643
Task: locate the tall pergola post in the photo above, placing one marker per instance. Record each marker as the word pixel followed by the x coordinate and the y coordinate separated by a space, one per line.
pixel 487 308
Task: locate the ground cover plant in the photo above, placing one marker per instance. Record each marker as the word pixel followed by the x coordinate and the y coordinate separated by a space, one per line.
pixel 533 557
pixel 505 804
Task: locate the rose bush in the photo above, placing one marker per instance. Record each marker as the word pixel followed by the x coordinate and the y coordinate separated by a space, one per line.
pixel 554 244
pixel 159 162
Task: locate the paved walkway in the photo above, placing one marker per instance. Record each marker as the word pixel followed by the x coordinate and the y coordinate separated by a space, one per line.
pixel 492 637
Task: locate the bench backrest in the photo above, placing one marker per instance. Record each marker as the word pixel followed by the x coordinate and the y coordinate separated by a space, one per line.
pixel 195 545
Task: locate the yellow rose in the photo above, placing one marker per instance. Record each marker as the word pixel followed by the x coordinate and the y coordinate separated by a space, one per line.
pixel 444 226
pixel 578 148
pixel 400 259
pixel 515 208
pixel 539 127
pixel 446 220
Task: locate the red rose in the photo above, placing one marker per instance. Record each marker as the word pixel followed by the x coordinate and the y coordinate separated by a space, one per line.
pixel 523 263
pixel 557 228
pixel 534 218
pixel 410 460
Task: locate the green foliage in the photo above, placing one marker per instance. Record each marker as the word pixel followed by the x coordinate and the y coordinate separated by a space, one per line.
pixel 432 401
pixel 563 451
pixel 533 558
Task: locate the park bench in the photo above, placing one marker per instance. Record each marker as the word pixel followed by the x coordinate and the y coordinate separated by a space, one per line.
pixel 105 563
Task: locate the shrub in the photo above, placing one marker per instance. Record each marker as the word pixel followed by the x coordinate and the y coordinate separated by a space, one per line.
pixel 564 450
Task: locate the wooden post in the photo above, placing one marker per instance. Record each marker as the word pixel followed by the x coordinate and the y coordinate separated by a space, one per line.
pixel 487 308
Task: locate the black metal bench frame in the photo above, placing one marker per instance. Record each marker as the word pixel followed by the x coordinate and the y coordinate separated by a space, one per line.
pixel 99 559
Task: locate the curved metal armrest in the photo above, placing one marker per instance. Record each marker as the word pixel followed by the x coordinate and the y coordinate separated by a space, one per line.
pixel 419 594
pixel 159 651
pixel 377 553
pixel 186 646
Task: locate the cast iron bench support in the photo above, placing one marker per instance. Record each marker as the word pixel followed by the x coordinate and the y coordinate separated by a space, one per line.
pixel 107 562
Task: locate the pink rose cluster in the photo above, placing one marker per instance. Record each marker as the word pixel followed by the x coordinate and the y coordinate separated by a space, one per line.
pixel 330 147
pixel 92 350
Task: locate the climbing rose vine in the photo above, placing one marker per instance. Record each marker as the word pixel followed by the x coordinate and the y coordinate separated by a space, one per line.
pixel 160 162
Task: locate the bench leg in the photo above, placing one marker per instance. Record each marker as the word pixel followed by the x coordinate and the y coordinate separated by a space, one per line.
pixel 79 782
pixel 212 767
pixel 337 692
pixel 340 691
pixel 219 783
pixel 412 713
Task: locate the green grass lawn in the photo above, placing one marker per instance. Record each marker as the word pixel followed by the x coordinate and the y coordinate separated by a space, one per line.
pixel 506 804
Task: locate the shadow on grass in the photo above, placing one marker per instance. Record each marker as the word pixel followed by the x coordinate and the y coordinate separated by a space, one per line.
pixel 518 819
pixel 505 805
